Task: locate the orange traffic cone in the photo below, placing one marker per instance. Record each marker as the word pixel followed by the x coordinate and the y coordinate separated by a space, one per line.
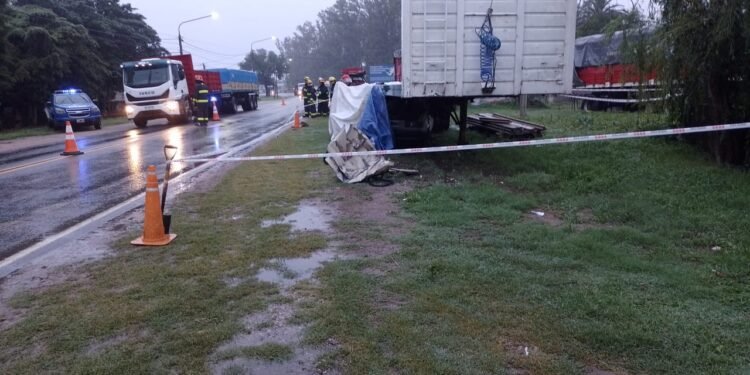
pixel 282 101
pixel 153 226
pixel 297 124
pixel 71 148
pixel 216 114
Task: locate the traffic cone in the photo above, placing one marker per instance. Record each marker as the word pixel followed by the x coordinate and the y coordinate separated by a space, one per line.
pixel 216 114
pixel 297 124
pixel 153 226
pixel 71 148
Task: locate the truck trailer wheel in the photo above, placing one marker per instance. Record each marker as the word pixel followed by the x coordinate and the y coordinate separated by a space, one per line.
pixel 247 104
pixel 140 123
pixel 231 106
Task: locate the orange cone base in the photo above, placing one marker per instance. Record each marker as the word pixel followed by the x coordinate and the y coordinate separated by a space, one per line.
pixel 167 239
pixel 71 153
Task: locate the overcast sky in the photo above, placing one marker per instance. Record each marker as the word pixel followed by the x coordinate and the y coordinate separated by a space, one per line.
pixel 223 43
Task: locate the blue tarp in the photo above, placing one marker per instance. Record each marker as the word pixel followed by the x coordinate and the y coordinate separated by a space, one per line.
pixel 375 122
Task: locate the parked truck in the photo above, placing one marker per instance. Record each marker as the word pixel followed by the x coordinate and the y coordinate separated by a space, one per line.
pixel 163 87
pixel 454 51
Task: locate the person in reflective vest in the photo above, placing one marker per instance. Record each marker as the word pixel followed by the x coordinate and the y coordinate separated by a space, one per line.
pixel 308 95
pixel 202 105
pixel 322 98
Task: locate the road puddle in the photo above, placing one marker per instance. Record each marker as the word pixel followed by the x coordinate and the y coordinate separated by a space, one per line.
pixel 287 272
pixel 310 216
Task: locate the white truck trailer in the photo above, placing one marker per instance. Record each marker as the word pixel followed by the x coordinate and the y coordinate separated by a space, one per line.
pixel 449 56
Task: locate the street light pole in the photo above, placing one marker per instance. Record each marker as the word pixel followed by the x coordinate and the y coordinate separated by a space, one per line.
pixel 213 16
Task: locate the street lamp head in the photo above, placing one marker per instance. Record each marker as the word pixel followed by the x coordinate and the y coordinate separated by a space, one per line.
pixel 214 15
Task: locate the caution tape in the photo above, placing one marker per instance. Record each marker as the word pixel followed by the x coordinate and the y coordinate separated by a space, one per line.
pixel 489 146
pixel 611 100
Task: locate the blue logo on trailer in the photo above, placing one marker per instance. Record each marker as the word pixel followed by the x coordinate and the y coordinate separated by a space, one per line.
pixel 381 73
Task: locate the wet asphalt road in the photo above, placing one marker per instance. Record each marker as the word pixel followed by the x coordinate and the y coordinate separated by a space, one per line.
pixel 44 193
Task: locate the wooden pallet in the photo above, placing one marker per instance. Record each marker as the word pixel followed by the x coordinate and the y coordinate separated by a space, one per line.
pixel 504 126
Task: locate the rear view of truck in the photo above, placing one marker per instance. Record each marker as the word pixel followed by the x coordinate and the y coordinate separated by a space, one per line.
pixel 453 51
pixel 238 87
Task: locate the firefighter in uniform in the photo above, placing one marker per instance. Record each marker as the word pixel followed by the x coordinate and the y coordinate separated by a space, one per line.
pixel 202 106
pixel 323 98
pixel 332 83
pixel 308 95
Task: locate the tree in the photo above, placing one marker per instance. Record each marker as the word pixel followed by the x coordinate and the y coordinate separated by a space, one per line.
pixel 346 34
pixel 595 15
pixel 268 64
pixel 705 47
pixel 49 44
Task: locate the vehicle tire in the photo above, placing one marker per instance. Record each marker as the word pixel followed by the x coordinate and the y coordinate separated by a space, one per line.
pixel 232 106
pixel 247 104
pixel 98 124
pixel 140 123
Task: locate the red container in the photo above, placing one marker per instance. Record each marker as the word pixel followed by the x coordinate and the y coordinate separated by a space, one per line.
pixel 211 79
pixel 616 74
pixel 187 63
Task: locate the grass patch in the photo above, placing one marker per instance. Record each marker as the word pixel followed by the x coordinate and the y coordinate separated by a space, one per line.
pixel 10 134
pixel 108 121
pixel 627 282
pixel 161 310
pixel 7 135
pixel 266 352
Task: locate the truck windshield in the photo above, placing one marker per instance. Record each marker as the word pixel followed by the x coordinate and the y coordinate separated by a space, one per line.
pixel 147 76
pixel 72 99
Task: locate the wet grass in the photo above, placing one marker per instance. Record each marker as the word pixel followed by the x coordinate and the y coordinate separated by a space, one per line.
pixel 267 352
pixel 6 135
pixel 646 271
pixel 162 310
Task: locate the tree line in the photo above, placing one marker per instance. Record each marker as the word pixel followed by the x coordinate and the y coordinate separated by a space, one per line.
pixel 51 44
pixel 347 34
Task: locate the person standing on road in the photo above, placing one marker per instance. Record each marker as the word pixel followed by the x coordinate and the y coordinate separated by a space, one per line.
pixel 323 98
pixel 201 103
pixel 308 95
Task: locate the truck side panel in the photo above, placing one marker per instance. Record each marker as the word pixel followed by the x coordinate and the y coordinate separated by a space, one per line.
pixel 238 80
pixel 211 79
pixel 187 64
pixel 441 50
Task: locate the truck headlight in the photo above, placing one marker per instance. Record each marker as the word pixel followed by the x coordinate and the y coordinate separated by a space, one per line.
pixel 59 111
pixel 172 106
pixel 129 109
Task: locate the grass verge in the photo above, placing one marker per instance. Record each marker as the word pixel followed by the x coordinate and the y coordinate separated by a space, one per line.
pixel 162 310
pixel 639 264
pixel 7 135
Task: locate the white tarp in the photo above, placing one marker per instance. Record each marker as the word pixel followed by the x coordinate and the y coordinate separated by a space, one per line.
pixel 356 168
pixel 347 109
pixel 347 106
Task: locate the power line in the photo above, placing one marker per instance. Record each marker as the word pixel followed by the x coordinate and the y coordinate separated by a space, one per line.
pixel 212 52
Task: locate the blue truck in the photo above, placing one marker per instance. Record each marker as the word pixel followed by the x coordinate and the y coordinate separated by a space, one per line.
pixel 238 87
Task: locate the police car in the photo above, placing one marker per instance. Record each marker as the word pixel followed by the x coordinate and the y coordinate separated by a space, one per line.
pixel 72 105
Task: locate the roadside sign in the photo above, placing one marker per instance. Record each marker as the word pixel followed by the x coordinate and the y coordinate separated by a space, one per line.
pixel 381 73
